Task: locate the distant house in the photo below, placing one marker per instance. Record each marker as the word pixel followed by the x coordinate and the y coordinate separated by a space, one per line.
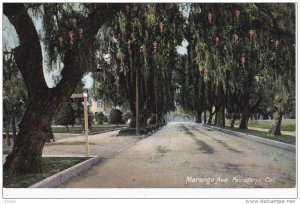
pixel 99 106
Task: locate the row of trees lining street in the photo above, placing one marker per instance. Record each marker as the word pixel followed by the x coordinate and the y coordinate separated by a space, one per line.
pixel 138 59
pixel 240 57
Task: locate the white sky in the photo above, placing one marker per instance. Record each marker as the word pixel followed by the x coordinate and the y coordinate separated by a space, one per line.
pixel 182 49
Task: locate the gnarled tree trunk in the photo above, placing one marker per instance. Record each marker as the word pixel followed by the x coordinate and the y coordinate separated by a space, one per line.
pixel 220 116
pixel 7 137
pixel 234 117
pixel 198 117
pixel 33 132
pixel 13 123
pixel 210 117
pixel 232 122
pixel 245 118
pixel 43 102
pixel 276 128
pixel 220 110
pixel 246 112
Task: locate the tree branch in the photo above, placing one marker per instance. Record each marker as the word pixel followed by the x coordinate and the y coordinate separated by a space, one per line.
pixel 102 14
pixel 74 72
pixel 28 55
pixel 275 28
pixel 256 105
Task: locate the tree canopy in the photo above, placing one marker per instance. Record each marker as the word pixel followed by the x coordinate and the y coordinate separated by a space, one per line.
pixel 240 59
pixel 237 53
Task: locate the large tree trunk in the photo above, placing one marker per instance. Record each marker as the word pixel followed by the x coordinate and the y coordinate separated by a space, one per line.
pixel 13 124
pixel 137 103
pixel 220 109
pixel 220 116
pixel 33 132
pixel 44 102
pixel 235 116
pixel 210 117
pixel 132 123
pixel 198 117
pixel 7 125
pixel 245 118
pixel 276 129
pixel 232 122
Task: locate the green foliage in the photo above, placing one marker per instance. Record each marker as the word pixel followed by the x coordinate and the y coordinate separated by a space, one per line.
pixel 67 32
pixel 64 28
pixel 116 116
pixel 66 115
pixel 99 117
pixel 80 118
pixel 51 166
pixel 105 119
pixel 237 55
pixel 14 90
pixel 142 41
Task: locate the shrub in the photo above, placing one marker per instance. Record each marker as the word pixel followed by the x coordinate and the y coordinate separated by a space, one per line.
pixel 66 116
pixel 116 116
pixel 100 118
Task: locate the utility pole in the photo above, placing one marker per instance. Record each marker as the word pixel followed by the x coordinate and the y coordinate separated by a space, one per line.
pixel 86 125
pixel 86 122
pixel 137 119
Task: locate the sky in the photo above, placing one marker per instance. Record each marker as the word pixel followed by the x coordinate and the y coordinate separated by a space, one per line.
pixel 10 40
pixel 183 48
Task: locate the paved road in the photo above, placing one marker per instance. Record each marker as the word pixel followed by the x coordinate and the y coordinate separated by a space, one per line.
pixel 190 155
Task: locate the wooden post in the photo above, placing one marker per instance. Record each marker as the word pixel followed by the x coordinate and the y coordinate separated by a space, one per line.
pixel 86 125
pixel 137 119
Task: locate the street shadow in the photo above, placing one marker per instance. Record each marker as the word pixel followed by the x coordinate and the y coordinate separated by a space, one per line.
pixel 225 145
pixel 203 146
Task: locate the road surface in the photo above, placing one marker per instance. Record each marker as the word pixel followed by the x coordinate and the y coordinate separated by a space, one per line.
pixel 182 155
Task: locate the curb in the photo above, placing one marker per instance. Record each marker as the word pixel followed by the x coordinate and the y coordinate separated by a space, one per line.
pixel 273 143
pixel 65 175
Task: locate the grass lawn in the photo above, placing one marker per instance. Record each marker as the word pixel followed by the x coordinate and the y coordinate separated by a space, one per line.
pixel 282 138
pixel 51 166
pixel 286 124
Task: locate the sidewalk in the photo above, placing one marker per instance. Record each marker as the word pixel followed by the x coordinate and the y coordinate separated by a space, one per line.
pixel 105 145
pixel 57 137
